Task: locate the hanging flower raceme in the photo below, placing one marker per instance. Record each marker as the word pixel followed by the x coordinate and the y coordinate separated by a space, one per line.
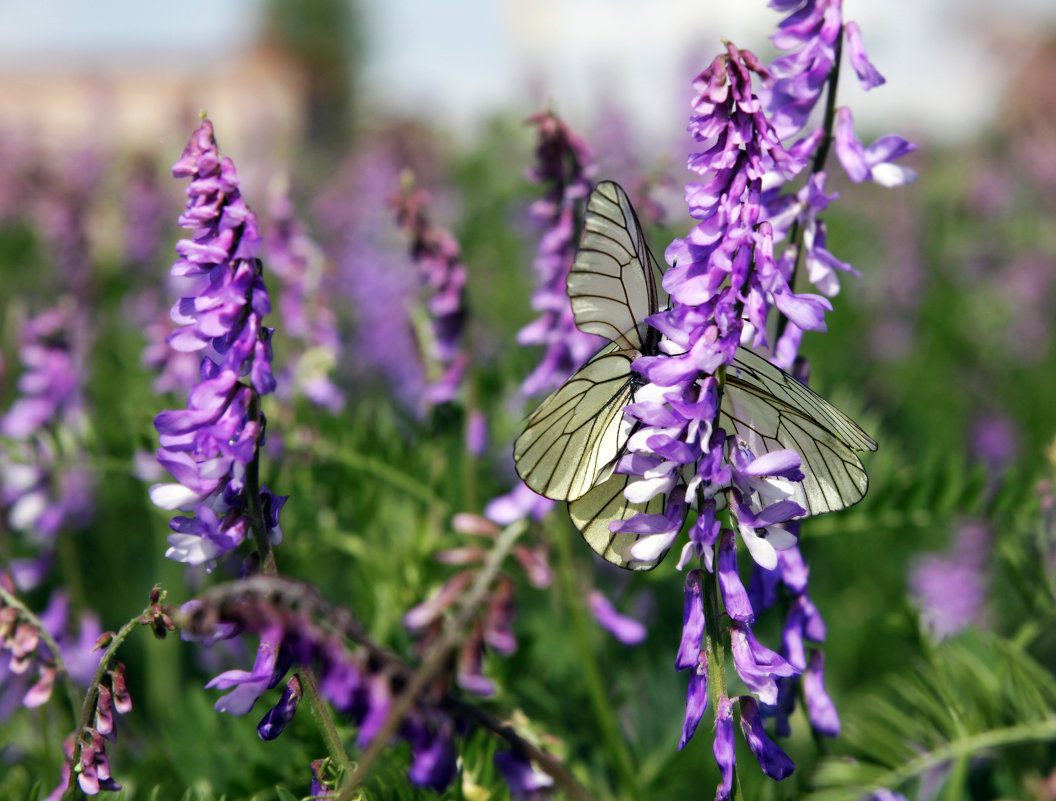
pixel 443 276
pixel 210 446
pixel 724 283
pixel 28 666
pixel 44 484
pixel 564 165
pixel 815 36
pixel 362 684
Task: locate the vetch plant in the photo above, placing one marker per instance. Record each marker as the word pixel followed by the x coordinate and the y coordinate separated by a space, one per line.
pixel 212 446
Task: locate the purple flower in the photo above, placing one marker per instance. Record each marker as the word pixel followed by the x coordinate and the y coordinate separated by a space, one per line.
pixel 27 675
pixel 950 588
pixel 564 166
pixel 723 748
pixel 378 284
pixel 524 780
pixel 44 485
pixel 443 278
pixel 625 629
pixel 696 699
pixel 307 316
pixel 774 762
pixel 209 446
pixel 143 213
pixel 871 163
pixel 277 718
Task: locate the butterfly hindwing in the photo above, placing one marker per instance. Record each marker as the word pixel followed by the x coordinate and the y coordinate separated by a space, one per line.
pixel 769 410
pixel 579 431
pixel 605 504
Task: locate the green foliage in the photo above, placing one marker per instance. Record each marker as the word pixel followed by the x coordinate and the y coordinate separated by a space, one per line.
pixel 373 491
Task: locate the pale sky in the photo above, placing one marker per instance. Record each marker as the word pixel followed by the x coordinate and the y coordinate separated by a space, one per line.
pixel 452 60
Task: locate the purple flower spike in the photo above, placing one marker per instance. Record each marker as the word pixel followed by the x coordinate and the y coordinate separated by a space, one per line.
pixel 774 762
pixel 304 303
pixel 209 446
pixel 564 164
pixel 443 277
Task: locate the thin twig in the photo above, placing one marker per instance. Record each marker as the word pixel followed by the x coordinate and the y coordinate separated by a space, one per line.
pixel 452 636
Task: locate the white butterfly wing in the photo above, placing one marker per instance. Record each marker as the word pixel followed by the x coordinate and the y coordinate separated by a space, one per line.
pixel 604 504
pixel 575 436
pixel 769 410
pixel 579 431
pixel 613 284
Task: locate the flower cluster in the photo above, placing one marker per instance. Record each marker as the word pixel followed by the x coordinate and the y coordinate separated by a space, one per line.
pixel 494 629
pixel 377 282
pixel 443 277
pixel 361 685
pixel 43 484
pixel 210 446
pixel 725 281
pixel 307 315
pixel 564 165
pixel 25 641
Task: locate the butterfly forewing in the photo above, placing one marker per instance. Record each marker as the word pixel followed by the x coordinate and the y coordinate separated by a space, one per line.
pixel 613 282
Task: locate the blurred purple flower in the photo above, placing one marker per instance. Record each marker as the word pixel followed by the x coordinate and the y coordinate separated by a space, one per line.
pixel 950 588
pixel 525 781
pixel 443 277
pixel 625 629
pixel 144 213
pixel 564 166
pixel 359 684
pixel 209 446
pixel 362 236
pixel 304 305
pixel 27 677
pixel 994 441
pixel 45 485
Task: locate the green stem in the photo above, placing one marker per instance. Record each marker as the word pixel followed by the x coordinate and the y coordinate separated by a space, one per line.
pixel 327 727
pixel 715 647
pixel 252 495
pixel 436 659
pixel 821 155
pixel 600 694
pixel 92 694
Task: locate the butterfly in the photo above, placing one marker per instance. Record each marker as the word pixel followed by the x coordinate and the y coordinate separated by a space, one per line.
pixel 570 446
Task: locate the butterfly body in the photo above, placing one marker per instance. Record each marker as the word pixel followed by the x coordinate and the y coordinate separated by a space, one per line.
pixel 571 444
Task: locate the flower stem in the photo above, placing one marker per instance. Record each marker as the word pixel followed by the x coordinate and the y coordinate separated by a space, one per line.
pixel 321 713
pixel 435 660
pixel 92 693
pixel 716 649
pixel 600 695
